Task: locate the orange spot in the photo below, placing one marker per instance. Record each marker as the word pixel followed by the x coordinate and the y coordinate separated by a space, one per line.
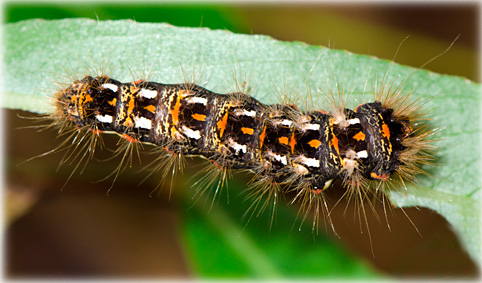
pixel 129 138
pixel 314 143
pixel 112 102
pixel 382 177
pixel 334 142
pixel 137 82
pixel 360 136
pixel 322 112
pixel 88 98
pixel 150 108
pixel 199 117
pixel 130 106
pixel 222 124
pixel 248 131
pixel 96 131
pixel 283 140
pixel 261 137
pixel 292 142
pixel 316 191
pixel 174 112
pixel 386 131
pixel 128 123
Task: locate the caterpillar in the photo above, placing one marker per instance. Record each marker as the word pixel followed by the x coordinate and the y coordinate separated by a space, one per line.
pixel 288 149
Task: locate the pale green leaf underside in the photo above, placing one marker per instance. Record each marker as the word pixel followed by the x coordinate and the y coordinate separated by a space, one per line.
pixel 38 52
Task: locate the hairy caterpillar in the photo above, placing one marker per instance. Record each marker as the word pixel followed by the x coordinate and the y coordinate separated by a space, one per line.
pixel 286 148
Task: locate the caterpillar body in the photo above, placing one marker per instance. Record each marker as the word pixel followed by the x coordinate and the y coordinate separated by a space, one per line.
pixel 288 149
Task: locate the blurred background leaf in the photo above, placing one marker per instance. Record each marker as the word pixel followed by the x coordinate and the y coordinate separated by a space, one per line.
pixel 396 262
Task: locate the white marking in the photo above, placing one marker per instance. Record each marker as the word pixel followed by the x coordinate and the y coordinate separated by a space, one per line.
pixel 105 118
pixel 239 112
pixel 236 146
pixel 313 127
pixel 277 157
pixel 251 113
pixel 142 122
pixel 286 122
pixel 112 87
pixel 147 93
pixel 190 133
pixel 327 184
pixel 201 100
pixel 311 162
pixel 353 121
pixel 362 154
pixel 280 158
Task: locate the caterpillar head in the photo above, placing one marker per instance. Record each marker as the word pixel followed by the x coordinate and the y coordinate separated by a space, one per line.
pixel 81 101
pixel 393 146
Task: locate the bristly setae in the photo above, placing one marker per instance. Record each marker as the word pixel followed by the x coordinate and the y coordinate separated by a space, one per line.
pixel 288 150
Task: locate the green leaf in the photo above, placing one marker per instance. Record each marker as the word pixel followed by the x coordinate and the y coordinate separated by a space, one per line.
pixel 38 52
pixel 223 247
